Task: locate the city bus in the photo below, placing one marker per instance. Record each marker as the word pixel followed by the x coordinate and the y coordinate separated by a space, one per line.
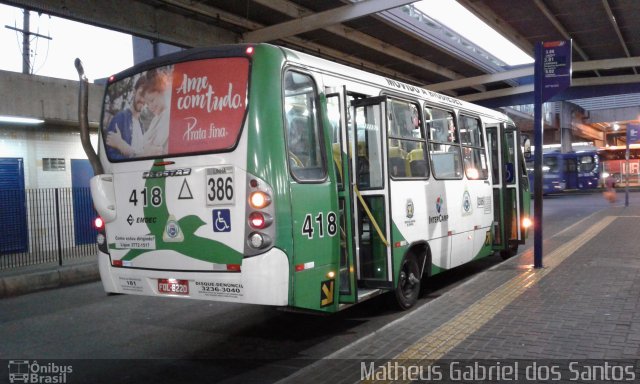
pixel 614 164
pixel 269 176
pixel 577 170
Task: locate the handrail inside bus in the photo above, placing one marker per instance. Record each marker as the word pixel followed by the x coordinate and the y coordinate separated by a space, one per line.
pixel 373 220
pixel 337 159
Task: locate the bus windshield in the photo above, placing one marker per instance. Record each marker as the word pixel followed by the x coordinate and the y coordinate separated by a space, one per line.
pixel 185 108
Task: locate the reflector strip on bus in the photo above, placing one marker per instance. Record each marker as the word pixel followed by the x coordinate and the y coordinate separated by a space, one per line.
pixel 302 267
pixel 233 267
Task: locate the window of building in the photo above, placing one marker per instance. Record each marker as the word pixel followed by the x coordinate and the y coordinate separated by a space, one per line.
pixel 53 164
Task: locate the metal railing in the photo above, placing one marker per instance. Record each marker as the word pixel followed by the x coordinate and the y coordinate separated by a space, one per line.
pixel 39 226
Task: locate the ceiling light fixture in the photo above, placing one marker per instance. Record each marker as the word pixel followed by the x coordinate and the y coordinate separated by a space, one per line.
pixel 20 120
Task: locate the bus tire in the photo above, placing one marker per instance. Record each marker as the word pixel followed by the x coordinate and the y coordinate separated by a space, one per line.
pixel 408 288
pixel 509 253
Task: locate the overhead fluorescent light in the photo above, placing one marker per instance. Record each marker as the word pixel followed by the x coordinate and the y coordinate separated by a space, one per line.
pixel 459 19
pixel 20 120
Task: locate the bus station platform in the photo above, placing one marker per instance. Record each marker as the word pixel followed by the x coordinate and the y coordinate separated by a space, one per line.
pixel 575 319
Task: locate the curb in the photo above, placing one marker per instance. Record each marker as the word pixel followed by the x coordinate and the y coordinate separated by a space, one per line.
pixel 37 281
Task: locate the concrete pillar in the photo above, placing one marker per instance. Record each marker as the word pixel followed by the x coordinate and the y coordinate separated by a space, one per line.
pixel 566 118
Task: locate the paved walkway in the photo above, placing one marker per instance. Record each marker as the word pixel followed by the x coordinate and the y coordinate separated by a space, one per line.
pixel 576 318
pixel 22 280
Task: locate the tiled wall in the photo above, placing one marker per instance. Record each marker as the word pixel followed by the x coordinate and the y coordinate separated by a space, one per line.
pixel 35 143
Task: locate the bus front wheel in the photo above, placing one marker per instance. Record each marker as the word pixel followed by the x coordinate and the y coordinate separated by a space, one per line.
pixel 408 288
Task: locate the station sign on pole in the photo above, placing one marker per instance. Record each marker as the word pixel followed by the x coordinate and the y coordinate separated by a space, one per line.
pixel 552 75
pixel 633 133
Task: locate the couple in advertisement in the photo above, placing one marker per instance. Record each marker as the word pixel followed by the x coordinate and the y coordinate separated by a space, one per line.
pixel 190 107
pixel 142 128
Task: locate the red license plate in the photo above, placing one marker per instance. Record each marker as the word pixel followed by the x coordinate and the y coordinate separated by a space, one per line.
pixel 173 286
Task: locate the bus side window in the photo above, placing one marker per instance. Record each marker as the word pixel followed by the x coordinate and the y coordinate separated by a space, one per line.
pixel 333 112
pixel 406 141
pixel 475 163
pixel 444 146
pixel 304 139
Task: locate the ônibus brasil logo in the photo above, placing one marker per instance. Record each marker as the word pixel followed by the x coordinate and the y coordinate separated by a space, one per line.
pixel 25 371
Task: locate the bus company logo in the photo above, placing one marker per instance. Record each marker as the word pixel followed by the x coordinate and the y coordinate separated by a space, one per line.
pixel 439 218
pixel 466 203
pixel 410 208
pixel 172 231
pixel 438 204
pixel 24 371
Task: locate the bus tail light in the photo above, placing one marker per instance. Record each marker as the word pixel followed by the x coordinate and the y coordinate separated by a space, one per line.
pixel 259 240
pixel 260 217
pixel 259 220
pixel 259 200
pixel 101 237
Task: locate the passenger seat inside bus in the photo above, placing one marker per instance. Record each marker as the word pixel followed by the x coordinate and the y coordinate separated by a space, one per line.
pixel 397 161
pixel 417 163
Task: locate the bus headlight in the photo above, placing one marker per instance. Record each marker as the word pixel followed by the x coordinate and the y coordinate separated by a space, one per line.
pixel 526 222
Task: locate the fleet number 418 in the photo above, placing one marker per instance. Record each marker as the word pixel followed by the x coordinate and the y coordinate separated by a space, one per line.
pixel 331 224
pixel 155 196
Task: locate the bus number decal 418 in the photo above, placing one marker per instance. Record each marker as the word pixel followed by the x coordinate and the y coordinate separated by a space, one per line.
pixel 154 197
pixel 319 223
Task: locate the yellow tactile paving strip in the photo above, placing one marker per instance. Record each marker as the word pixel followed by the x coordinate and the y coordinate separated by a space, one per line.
pixel 436 344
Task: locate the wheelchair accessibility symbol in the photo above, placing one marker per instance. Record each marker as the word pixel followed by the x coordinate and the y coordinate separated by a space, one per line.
pixel 221 220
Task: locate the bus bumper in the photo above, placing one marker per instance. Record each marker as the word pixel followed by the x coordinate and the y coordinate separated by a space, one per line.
pixel 263 279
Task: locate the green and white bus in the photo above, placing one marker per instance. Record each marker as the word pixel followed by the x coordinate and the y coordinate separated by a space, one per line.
pixel 258 174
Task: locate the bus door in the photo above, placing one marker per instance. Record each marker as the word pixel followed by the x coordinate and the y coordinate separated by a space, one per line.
pixel 501 176
pixel 313 195
pixel 370 192
pixel 337 115
pixel 513 159
pixel 570 168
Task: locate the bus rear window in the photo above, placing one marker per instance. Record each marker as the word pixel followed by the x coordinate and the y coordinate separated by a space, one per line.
pixel 184 108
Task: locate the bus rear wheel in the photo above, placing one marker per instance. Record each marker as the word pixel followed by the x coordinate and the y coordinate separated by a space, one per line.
pixel 408 288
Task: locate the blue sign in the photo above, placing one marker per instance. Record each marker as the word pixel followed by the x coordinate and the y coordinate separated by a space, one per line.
pixel 556 67
pixel 221 220
pixel 633 133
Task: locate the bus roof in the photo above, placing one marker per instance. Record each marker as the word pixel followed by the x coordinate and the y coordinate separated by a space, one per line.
pixel 386 83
